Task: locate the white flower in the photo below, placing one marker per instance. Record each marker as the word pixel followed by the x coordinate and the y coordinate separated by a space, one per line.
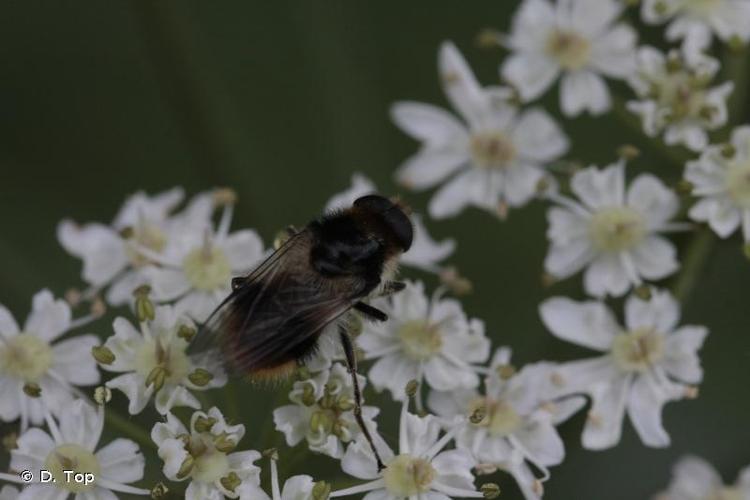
pixel 322 412
pixel 72 445
pixel 204 455
pixel 517 425
pixel 695 21
pixel 430 339
pixel 197 264
pixel 425 253
pixel 612 231
pixel 112 254
pixel 420 470
pixel 646 363
pixel 694 479
pixel 33 356
pixel 576 38
pixel 675 97
pixel 153 362
pixel 722 180
pixel 300 487
pixel 494 158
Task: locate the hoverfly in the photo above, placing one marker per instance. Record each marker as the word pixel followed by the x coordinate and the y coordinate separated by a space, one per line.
pixel 274 316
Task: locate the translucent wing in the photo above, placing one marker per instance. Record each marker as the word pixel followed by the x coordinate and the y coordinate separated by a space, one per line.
pixel 276 315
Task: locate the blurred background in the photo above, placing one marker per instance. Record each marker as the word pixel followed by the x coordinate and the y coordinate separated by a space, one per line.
pixel 282 101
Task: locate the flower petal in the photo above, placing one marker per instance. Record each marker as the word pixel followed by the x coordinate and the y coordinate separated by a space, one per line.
pixel 661 312
pixel 49 318
pixel 72 360
pixel 122 461
pixel 681 353
pixel 538 137
pixel 430 166
pixel 590 324
pixel 530 74
pixel 243 249
pixel 645 402
pixel 583 91
pixel 604 425
pixel 430 124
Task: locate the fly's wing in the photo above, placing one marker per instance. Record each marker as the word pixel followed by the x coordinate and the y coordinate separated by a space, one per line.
pixel 276 315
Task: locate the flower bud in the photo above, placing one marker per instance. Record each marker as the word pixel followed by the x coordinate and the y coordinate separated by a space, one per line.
pixel 308 395
pixel 102 395
pixel 103 355
pixel 157 377
pixel 186 468
pixel 230 481
pixel 204 424
pixel 225 443
pixel 490 490
pixel 628 152
pixel 505 371
pixel 186 332
pixel 10 441
pixel 200 377
pixel 321 491
pixel 411 388
pixel 159 491
pixel 32 390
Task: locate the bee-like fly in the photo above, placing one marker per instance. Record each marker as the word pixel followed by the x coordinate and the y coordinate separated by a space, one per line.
pixel 272 320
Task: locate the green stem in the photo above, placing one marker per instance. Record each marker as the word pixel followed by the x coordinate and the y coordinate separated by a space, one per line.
pixel 127 427
pixel 696 254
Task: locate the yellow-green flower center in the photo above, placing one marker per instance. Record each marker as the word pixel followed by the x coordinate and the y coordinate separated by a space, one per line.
pixel 738 183
pixel 406 475
pixel 145 235
pixel 25 356
pixel 420 340
pixel 500 418
pixel 171 358
pixel 681 94
pixel 72 457
pixel 638 350
pixel 207 268
pixel 614 229
pixel 726 494
pixel 492 150
pixel 210 466
pixel 571 50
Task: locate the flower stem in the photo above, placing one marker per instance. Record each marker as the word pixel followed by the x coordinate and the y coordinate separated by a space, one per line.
pixel 695 257
pixel 127 427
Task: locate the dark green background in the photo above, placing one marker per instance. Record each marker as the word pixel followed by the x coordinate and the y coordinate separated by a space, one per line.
pixel 282 101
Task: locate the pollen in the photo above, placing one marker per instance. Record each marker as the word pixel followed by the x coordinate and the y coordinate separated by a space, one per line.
pixel 67 457
pixel 25 356
pixel 638 350
pixel 420 340
pixel 406 475
pixel 615 229
pixel 571 50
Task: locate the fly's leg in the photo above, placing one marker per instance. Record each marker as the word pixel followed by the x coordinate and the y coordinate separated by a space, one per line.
pixel 372 313
pixel 351 362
